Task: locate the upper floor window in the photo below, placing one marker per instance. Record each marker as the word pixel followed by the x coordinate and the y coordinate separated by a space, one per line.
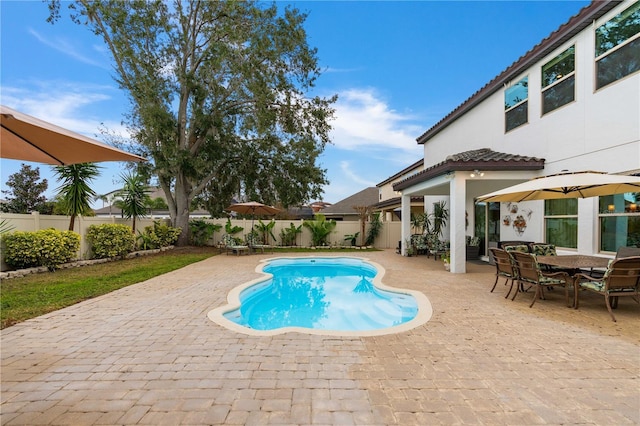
pixel 618 46
pixel 516 104
pixel 559 80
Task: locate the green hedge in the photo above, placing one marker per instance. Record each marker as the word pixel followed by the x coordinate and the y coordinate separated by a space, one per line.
pixel 110 240
pixel 47 247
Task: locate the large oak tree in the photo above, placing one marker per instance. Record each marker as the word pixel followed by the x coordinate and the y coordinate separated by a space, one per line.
pixel 219 97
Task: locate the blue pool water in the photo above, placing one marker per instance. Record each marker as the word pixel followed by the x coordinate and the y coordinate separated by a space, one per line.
pixel 324 294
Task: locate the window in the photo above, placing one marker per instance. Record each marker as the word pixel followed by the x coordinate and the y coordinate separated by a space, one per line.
pixel 619 221
pixel 618 46
pixel 558 81
pixel 561 222
pixel 516 105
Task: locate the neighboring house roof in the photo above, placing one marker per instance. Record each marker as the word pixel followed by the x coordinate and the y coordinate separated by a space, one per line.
pixel 417 165
pixel 477 159
pixel 301 212
pixel 577 23
pixel 396 202
pixel 366 197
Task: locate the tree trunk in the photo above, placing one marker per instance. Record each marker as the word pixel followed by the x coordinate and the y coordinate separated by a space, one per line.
pixel 181 219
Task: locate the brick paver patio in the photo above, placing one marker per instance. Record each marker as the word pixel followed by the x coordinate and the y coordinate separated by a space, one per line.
pixel 148 354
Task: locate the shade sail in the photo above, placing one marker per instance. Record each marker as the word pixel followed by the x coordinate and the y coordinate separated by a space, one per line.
pixel 28 138
pixel 566 185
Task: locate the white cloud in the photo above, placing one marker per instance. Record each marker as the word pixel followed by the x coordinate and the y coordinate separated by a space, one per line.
pixel 345 166
pixel 64 46
pixel 65 104
pixel 366 122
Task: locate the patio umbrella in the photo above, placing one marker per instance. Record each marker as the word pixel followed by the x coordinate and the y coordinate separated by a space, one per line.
pixel 566 185
pixel 30 139
pixel 253 208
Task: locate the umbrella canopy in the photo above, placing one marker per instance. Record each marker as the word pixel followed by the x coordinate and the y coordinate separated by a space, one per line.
pixel 253 208
pixel 566 185
pixel 30 139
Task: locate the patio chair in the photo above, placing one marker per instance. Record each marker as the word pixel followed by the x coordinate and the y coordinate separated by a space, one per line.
pixel 622 278
pixel 529 272
pixel 232 245
pixel 627 252
pixel 436 247
pixel 255 243
pixel 419 243
pixel 543 249
pixel 522 248
pixel 504 268
pixel 620 254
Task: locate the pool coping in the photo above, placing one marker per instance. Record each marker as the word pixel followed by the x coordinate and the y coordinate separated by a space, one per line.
pixel 425 310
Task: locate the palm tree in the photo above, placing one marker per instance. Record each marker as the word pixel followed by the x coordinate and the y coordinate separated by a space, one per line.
pixel 134 197
pixel 105 199
pixel 75 192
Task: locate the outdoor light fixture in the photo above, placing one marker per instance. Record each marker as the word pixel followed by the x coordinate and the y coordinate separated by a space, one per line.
pixel 476 173
pixel 633 207
pixel 611 208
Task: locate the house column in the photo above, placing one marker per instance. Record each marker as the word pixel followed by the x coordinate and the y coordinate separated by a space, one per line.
pixel 457 195
pixel 406 221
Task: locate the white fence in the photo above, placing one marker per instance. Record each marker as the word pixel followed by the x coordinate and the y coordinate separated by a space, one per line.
pixel 388 238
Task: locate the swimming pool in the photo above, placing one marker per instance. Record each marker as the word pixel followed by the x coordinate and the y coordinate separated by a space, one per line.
pixel 321 295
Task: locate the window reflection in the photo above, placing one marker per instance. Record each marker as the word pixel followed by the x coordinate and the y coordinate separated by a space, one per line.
pixel 561 222
pixel 619 221
pixel 618 46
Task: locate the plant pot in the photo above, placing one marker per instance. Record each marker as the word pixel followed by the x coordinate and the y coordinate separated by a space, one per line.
pixel 473 252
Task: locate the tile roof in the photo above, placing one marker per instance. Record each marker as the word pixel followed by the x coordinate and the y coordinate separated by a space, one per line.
pixel 481 159
pixel 576 23
pixel 366 197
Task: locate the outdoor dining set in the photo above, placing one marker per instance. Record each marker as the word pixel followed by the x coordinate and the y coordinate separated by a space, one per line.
pixel 537 267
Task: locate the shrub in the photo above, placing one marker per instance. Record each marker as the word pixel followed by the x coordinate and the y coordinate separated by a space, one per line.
pixel 47 247
pixel 110 240
pixel 201 231
pixel 158 235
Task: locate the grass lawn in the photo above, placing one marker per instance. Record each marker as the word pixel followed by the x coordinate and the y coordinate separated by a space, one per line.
pixel 38 294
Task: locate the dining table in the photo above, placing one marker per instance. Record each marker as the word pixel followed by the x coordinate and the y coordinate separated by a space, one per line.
pixel 574 264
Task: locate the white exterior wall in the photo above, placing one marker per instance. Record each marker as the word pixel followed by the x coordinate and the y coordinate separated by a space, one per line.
pixel 599 131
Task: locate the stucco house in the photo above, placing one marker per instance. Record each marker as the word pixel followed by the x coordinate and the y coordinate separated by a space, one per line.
pixel 389 201
pixel 571 103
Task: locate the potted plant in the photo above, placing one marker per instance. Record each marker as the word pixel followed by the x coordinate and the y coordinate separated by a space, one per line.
pixel 446 260
pixel 409 247
pixel 473 247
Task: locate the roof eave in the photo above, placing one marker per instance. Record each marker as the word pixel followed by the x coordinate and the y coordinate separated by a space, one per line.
pixel 452 166
pixel 577 23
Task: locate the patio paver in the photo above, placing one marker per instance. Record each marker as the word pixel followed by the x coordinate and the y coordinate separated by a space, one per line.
pixel 148 354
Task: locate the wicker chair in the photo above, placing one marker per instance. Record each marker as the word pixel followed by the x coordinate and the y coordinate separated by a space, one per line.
pixel 504 268
pixel 622 278
pixel 529 272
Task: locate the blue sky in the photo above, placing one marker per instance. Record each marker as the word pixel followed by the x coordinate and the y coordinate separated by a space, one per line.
pixel 398 67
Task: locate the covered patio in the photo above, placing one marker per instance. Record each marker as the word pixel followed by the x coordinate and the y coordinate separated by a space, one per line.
pixel 148 354
pixel 462 177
